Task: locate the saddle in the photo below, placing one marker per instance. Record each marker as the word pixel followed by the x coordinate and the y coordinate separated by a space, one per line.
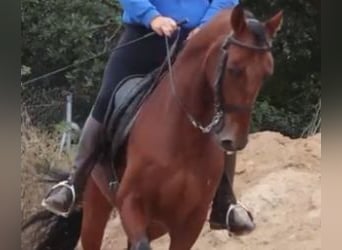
pixel 124 106
pixel 125 103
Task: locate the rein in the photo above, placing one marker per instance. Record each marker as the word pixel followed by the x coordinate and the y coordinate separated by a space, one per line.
pixel 220 107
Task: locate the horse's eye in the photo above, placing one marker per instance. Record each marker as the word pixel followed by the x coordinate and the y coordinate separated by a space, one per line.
pixel 235 71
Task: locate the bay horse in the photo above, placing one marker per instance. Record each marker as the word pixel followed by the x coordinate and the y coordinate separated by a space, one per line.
pixel 173 165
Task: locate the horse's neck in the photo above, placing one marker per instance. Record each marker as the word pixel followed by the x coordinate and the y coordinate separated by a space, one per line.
pixel 175 140
pixel 193 96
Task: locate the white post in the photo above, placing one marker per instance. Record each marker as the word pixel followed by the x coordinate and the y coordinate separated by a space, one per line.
pixel 61 145
pixel 69 121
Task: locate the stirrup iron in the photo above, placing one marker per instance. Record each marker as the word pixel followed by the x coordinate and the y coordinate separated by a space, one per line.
pixel 113 185
pixel 73 193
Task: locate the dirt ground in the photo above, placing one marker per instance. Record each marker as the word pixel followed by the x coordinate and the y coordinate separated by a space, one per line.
pixel 279 180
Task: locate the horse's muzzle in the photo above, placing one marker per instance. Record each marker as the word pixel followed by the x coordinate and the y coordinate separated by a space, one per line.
pixel 233 145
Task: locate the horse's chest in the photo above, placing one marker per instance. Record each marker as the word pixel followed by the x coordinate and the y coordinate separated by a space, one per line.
pixel 194 187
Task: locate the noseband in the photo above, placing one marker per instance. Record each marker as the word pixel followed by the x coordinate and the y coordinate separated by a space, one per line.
pixel 220 107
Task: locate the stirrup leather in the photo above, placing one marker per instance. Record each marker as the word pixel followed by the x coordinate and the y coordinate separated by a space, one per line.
pixel 73 193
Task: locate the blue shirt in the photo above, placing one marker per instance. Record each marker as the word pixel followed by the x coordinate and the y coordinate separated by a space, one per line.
pixel 197 12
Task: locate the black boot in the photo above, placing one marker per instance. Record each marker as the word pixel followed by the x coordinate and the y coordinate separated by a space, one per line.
pixel 63 197
pixel 226 213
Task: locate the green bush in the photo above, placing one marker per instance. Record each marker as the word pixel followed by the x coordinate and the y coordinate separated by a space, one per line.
pixel 287 102
pixel 58 33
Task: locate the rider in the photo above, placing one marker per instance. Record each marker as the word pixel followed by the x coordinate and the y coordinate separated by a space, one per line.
pixel 139 17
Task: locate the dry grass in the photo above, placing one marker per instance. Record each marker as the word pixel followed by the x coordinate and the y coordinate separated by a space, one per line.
pixel 38 155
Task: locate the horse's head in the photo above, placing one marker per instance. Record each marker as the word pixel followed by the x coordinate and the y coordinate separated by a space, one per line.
pixel 245 60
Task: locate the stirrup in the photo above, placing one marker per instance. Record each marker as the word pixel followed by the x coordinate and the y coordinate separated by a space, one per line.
pixel 233 206
pixel 51 209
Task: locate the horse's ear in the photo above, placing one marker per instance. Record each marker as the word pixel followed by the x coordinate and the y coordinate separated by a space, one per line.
pixel 273 25
pixel 238 19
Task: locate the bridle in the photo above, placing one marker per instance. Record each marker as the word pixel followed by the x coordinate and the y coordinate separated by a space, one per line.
pixel 220 107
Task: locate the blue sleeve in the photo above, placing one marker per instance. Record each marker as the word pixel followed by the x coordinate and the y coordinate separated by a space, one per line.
pixel 215 7
pixel 141 11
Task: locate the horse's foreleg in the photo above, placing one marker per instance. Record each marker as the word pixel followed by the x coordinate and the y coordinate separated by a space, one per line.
pixel 96 211
pixel 184 236
pixel 134 222
pixel 154 231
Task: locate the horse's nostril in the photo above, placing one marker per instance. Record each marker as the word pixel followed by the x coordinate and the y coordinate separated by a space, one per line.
pixel 227 144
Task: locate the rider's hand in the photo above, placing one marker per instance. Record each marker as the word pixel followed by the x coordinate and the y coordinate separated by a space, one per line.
pixel 163 26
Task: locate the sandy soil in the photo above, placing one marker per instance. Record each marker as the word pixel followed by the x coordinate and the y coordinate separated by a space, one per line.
pixel 279 179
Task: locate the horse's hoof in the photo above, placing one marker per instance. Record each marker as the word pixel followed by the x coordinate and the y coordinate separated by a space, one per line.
pixel 239 220
pixel 143 244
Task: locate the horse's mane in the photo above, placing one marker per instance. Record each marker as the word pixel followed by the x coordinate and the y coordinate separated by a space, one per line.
pixel 220 26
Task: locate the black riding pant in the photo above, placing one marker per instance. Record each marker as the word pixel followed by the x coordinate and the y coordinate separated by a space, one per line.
pixel 141 57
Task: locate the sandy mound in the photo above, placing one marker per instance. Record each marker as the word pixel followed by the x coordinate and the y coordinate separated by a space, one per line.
pixel 279 179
